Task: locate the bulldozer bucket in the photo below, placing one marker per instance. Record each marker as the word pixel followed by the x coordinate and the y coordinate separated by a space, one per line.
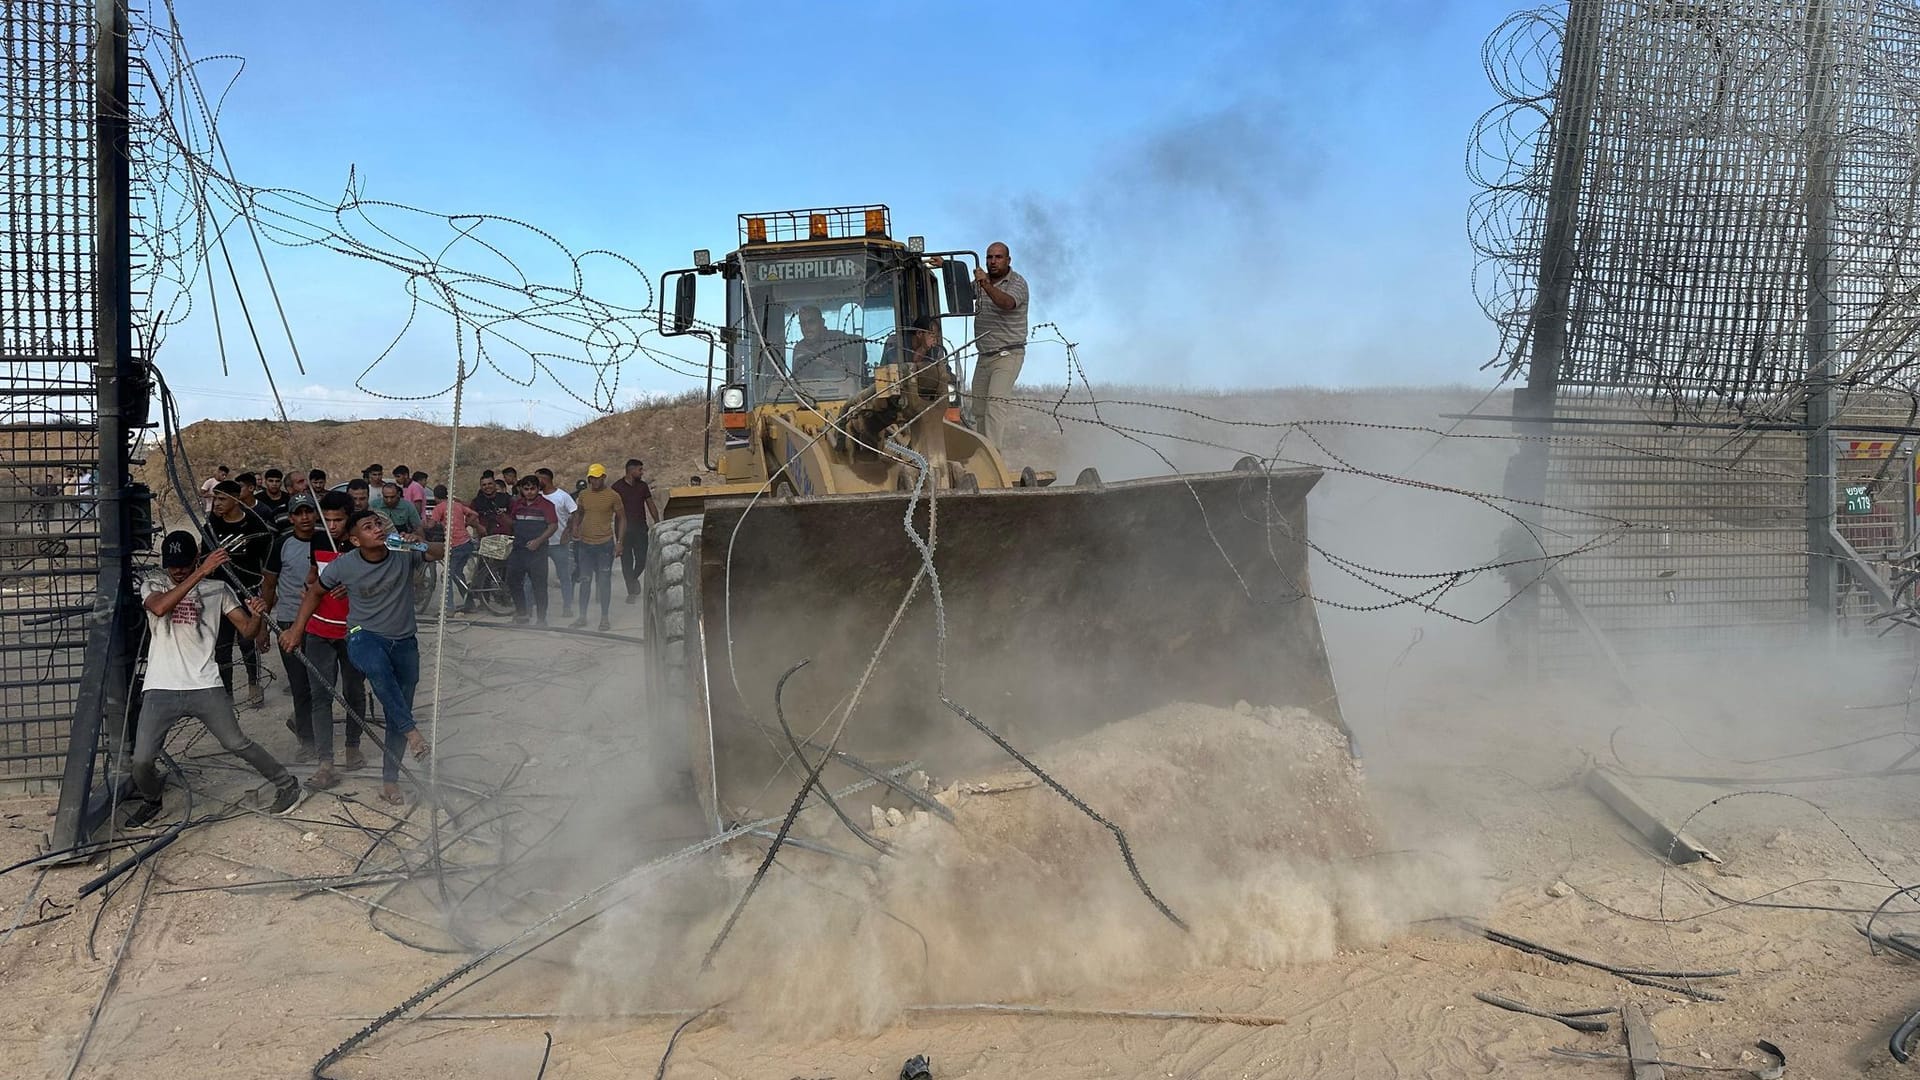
pixel 1060 609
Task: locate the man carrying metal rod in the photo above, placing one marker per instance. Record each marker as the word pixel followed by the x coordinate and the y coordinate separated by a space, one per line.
pixel 184 611
pixel 246 536
pixel 318 634
pixel 289 563
pixel 378 576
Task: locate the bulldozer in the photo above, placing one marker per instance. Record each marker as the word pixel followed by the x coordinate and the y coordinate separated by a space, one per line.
pixel 863 526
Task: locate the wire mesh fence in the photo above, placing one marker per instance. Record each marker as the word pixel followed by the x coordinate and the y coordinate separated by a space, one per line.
pixel 1716 557
pixel 1729 178
pixel 49 441
pixel 1699 125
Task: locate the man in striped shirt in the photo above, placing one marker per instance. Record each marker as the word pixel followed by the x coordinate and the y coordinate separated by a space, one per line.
pixel 1000 333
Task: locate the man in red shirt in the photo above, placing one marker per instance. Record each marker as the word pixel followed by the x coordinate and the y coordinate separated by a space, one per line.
pixel 641 514
pixel 323 640
pixel 534 523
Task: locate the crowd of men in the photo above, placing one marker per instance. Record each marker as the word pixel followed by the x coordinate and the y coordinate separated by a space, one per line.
pixel 325 576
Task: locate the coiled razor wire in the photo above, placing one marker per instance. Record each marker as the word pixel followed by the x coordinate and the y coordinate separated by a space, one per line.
pixel 462 266
pixel 1689 265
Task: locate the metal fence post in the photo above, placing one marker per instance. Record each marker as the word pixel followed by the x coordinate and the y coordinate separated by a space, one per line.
pixel 1822 569
pixel 1548 323
pixel 103 692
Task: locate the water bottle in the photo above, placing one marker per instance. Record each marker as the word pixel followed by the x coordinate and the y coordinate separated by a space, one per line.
pixel 396 543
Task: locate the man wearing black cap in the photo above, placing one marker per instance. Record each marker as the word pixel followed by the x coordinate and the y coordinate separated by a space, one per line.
pixel 184 612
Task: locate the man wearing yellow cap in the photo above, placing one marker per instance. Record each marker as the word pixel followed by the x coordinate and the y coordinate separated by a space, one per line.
pixel 597 527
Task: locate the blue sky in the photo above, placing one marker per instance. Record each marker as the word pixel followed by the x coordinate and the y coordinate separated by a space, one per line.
pixel 1209 195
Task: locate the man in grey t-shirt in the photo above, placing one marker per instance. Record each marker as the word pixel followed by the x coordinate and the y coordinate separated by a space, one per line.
pixel 380 631
pixel 1000 333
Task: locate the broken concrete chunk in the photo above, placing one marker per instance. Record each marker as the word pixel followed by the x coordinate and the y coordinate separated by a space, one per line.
pixel 879 817
pixel 894 816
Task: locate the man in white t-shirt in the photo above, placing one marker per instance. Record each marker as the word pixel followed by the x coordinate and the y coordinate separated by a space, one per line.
pixel 561 554
pixel 220 475
pixel 184 613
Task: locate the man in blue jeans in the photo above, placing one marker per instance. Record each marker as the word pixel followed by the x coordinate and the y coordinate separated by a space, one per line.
pixel 560 553
pixel 534 526
pixel 380 631
pixel 594 530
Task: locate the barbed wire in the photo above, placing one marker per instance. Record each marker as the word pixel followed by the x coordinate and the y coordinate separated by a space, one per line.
pixel 1698 127
pixel 461 271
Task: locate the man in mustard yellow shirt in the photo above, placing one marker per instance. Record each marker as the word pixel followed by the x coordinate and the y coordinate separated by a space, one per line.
pixel 596 528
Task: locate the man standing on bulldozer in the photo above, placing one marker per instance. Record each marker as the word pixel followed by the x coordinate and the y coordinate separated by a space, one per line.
pixel 1000 333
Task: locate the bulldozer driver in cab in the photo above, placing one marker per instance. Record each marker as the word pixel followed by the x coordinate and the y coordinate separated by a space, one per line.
pixel 824 353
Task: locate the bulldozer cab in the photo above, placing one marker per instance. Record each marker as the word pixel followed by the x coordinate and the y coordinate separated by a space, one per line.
pixel 818 300
pixel 812 325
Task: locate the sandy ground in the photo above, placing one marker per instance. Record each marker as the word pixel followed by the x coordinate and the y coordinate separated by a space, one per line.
pixel 1477 783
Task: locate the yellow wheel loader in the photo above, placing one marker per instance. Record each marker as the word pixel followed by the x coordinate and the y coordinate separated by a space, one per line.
pixel 861 523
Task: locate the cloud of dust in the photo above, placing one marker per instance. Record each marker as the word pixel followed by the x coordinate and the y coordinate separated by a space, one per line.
pixel 1389 499
pixel 1251 825
pixel 1205 195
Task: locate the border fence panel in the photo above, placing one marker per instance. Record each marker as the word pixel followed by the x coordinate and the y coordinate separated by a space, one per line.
pixel 49 440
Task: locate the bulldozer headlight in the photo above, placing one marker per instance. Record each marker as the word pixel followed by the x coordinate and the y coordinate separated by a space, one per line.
pixel 733 398
pixel 702 257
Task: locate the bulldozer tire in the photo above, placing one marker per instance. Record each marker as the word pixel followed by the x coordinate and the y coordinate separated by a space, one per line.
pixel 676 667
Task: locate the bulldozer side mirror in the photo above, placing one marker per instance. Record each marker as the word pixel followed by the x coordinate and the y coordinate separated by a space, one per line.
pixel 957 280
pixel 683 296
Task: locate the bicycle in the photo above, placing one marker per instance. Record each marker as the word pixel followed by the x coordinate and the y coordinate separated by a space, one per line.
pixel 484 582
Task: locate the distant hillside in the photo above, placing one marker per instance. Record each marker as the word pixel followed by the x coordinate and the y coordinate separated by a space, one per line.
pixel 667 435
pixel 664 434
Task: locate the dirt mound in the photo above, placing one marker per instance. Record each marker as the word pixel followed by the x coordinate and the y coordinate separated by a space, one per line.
pixel 1227 786
pixel 1252 825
